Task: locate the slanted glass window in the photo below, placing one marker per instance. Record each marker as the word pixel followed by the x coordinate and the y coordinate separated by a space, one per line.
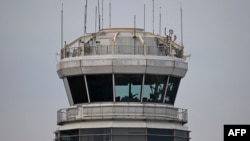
pixel 173 86
pixel 180 133
pixel 181 139
pixel 160 134
pixel 74 138
pixel 153 131
pixel 95 134
pixel 128 131
pixel 154 88
pixel 69 135
pixel 95 138
pixel 129 138
pixel 160 138
pixel 100 87
pixel 128 87
pixel 129 134
pixel 92 131
pixel 65 133
pixel 78 89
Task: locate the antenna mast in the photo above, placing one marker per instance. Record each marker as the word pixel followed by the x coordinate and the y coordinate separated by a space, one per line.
pixel 160 23
pixel 99 17
pixel 109 14
pixel 102 14
pixel 95 17
pixel 85 18
pixel 62 27
pixel 134 32
pixel 144 17
pixel 153 16
pixel 181 26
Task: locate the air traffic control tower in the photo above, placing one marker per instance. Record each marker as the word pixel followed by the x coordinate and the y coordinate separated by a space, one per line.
pixel 121 84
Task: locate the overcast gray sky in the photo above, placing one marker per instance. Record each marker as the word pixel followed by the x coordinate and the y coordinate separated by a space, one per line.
pixel 215 90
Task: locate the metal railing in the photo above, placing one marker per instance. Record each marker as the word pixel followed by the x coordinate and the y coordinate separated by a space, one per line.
pixel 121 111
pixel 118 49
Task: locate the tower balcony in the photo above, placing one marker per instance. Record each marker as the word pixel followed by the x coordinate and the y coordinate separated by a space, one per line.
pixel 121 111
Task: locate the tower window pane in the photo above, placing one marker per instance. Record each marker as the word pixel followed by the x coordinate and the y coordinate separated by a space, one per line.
pixel 153 131
pixel 96 138
pixel 100 87
pixel 128 131
pixel 154 88
pixel 67 133
pixel 78 89
pixel 93 131
pixel 129 138
pixel 160 138
pixel 173 86
pixel 181 139
pixel 74 138
pixel 180 133
pixel 128 87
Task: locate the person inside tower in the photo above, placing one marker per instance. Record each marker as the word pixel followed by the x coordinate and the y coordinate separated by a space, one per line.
pixel 130 98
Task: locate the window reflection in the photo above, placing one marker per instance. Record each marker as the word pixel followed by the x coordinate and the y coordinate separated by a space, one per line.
pixel 154 88
pixel 173 85
pixel 128 87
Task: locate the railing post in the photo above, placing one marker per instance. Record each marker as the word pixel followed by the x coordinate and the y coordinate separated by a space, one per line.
pixel 113 48
pixel 82 49
pixel 65 50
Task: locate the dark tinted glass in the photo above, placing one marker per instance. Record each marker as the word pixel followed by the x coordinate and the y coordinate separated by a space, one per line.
pixel 75 138
pixel 173 86
pixel 100 87
pixel 160 138
pixel 180 133
pixel 69 132
pixel 95 138
pixel 181 139
pixel 128 131
pixel 154 88
pixel 95 131
pixel 129 138
pixel 78 89
pixel 160 131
